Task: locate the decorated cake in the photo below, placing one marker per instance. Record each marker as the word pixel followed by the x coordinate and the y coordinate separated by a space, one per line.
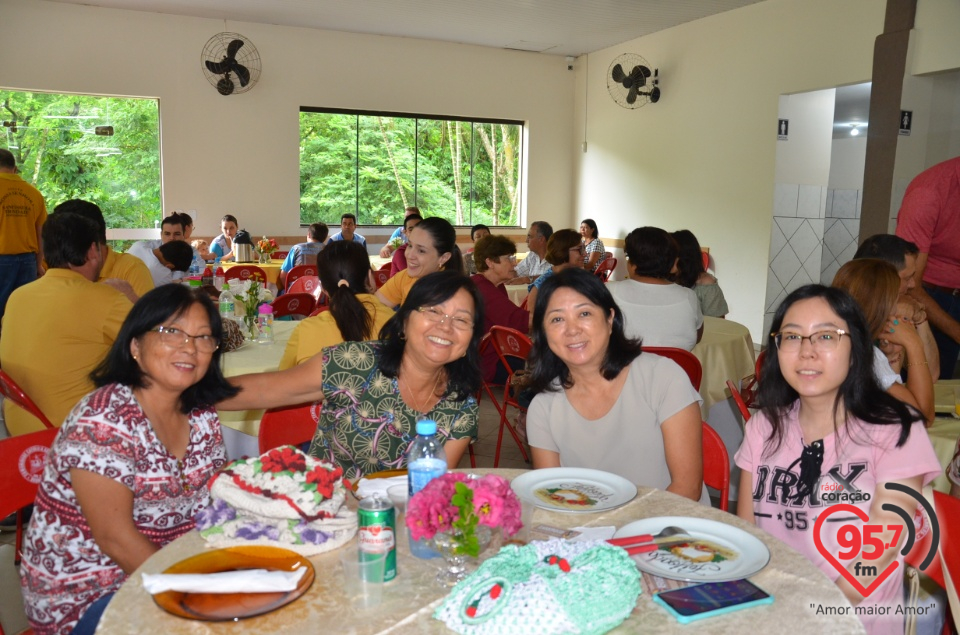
pixel 281 498
pixel 545 588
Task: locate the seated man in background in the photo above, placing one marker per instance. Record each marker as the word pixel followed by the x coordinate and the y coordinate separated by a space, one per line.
pixel 164 261
pixel 399 235
pixel 304 253
pixel 902 254
pixel 477 232
pixel 58 328
pixel 122 267
pixel 348 227
pixel 535 264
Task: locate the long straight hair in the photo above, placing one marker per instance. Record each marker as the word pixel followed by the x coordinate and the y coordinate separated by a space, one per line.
pixel 343 268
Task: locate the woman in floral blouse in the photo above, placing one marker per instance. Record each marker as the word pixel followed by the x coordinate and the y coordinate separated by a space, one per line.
pixel 129 468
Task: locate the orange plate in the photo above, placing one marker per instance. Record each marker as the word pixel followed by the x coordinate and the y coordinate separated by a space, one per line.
pixel 216 607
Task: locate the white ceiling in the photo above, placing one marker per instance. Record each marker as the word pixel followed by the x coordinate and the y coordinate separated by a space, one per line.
pixel 556 27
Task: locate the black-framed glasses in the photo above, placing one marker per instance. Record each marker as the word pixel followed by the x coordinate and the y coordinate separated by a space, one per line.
pixel 436 316
pixel 172 337
pixel 826 340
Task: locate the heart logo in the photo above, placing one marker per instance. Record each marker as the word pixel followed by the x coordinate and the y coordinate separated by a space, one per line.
pixel 844 507
pixel 374 529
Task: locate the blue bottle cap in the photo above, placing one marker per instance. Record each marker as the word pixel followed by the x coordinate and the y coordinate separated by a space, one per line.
pixel 427 427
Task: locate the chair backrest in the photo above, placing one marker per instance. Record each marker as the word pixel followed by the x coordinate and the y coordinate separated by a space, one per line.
pixel 288 426
pixel 279 255
pixel 386 266
pixel 13 392
pixel 306 284
pixel 948 515
pixel 244 272
pixel 320 309
pixel 298 272
pixel 739 400
pixel 22 459
pixel 381 276
pixel 687 360
pixel 293 304
pixel 706 260
pixel 508 342
pixel 756 369
pixel 606 268
pixel 716 464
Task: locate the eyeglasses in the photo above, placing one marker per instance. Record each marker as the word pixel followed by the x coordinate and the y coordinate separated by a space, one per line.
pixel 580 249
pixel 436 316
pixel 175 338
pixel 827 340
pixel 511 257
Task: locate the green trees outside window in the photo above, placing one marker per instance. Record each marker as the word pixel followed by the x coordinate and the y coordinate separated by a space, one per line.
pixel 102 149
pixel 376 164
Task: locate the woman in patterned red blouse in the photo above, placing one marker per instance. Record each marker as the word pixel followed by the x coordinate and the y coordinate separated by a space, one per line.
pixel 129 467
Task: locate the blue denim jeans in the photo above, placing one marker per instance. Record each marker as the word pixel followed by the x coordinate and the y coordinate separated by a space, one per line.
pixel 91 617
pixel 949 349
pixel 16 270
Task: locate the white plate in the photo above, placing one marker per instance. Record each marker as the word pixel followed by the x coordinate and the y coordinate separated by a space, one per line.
pixel 574 489
pixel 737 554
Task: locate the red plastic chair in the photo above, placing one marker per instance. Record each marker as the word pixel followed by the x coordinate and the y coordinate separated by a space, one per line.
pixel 279 255
pixel 298 272
pixel 294 425
pixel 386 267
pixel 507 343
pixel 307 284
pixel 739 399
pixel 687 360
pixel 22 459
pixel 944 567
pixel 293 304
pixel 320 309
pixel 605 269
pixel 381 276
pixel 13 392
pixel 716 465
pixel 244 272
pixel 706 260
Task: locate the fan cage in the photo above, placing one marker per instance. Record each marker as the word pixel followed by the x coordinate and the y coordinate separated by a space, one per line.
pixel 216 49
pixel 619 94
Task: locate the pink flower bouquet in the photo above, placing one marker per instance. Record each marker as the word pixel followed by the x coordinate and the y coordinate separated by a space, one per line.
pixel 456 503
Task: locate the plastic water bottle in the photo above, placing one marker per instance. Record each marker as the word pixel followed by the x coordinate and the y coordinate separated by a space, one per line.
pixel 227 303
pixel 426 460
pixel 265 324
pixel 218 277
pixel 207 277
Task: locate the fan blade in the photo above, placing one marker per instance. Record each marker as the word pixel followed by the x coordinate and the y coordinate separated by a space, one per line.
pixel 233 47
pixel 617 73
pixel 243 74
pixel 636 77
pixel 218 68
pixel 632 95
pixel 642 69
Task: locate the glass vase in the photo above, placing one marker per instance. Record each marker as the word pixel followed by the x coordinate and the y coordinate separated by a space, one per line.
pixel 264 258
pixel 457 565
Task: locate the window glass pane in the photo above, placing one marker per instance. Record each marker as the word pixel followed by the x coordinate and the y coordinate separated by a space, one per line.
pixel 387 157
pixel 436 194
pixel 102 149
pixel 328 167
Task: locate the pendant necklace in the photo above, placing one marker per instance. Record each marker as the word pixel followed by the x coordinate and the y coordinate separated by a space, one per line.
pixel 416 404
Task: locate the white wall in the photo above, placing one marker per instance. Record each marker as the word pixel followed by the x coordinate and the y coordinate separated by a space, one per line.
pixel 703 157
pixel 239 154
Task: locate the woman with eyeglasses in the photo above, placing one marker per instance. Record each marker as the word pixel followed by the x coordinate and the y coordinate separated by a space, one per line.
pixel 564 250
pixel 875 285
pixel 829 434
pixel 495 258
pixel 602 404
pixel 129 468
pixel 425 366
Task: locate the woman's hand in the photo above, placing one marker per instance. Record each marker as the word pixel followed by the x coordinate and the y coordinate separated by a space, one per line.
pixel 683 448
pixel 454 449
pixel 919 387
pixel 107 506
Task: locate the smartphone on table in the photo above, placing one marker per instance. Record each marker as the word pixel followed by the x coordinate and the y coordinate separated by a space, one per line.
pixel 712 598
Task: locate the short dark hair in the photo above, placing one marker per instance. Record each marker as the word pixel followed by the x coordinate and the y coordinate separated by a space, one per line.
pixel 592 224
pixel 67 239
pixel 463 375
pixel 543 228
pixel 477 227
pixel 347 261
pixel 87 210
pixel 230 218
pixel 172 219
pixel 7 160
pixel 185 219
pixel 318 231
pixel 559 246
pixel 444 238
pixel 413 216
pixel 651 252
pixel 887 247
pixel 153 309
pixel 493 247
pixel 691 258
pixel 544 365
pixel 860 393
pixel 348 215
pixel 179 253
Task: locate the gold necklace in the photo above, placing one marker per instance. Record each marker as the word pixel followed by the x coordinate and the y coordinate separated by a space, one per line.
pixel 413 395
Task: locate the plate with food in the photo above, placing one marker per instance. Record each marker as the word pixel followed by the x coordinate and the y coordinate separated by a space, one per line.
pixel 216 607
pixel 697 549
pixel 574 489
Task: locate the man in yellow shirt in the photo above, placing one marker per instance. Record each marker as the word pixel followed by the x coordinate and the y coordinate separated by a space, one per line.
pixel 59 328
pixel 116 267
pixel 22 214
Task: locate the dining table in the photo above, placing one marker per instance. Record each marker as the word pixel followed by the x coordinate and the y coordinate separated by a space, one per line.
pixel 272 269
pixel 805 600
pixel 241 427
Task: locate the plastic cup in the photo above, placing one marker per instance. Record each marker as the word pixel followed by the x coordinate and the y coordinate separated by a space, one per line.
pixel 362 576
pixel 398 496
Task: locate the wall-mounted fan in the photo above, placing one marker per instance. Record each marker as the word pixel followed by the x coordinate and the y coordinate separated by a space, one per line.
pixel 631 82
pixel 230 63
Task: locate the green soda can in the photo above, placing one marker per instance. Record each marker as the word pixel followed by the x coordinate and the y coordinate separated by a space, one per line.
pixel 377 532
